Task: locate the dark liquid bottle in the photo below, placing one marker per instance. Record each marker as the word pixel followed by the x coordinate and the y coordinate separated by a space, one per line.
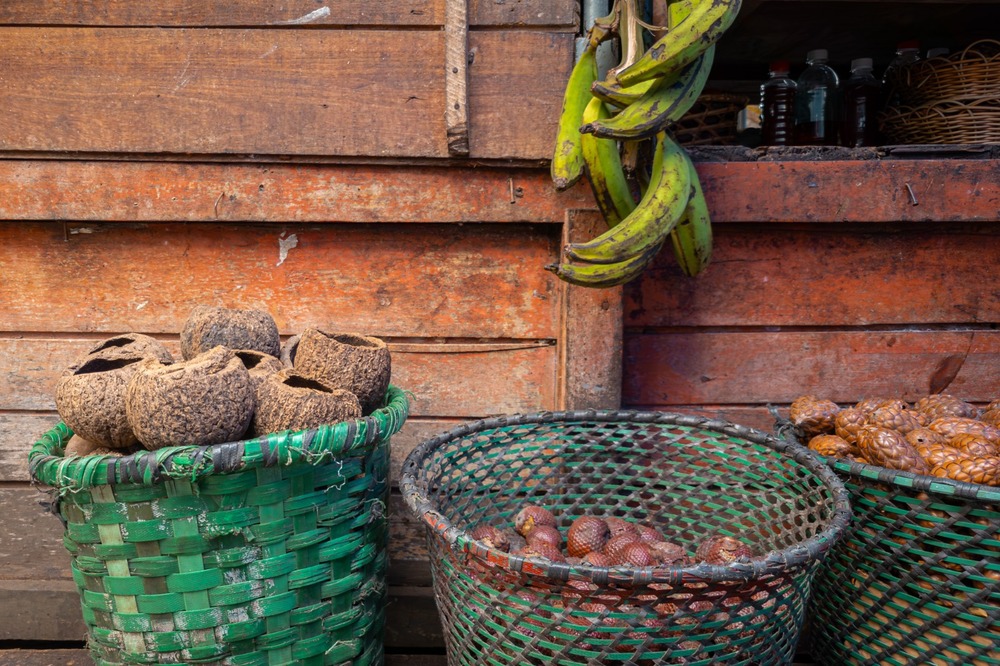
pixel 817 107
pixel 861 103
pixel 777 107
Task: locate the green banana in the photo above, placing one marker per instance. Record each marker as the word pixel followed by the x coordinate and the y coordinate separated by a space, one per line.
pixel 604 170
pixel 661 207
pixel 661 106
pixel 692 237
pixel 603 276
pixel 611 92
pixel 567 160
pixel 678 10
pixel 682 45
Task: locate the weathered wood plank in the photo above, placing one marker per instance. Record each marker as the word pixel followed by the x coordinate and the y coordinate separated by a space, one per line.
pixel 479 282
pixel 78 191
pixel 591 338
pixel 441 382
pixel 294 13
pixel 18 431
pixel 818 275
pixel 717 367
pixel 516 83
pixel 150 90
pixel 952 190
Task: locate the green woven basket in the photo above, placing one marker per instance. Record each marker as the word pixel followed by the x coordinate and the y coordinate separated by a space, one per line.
pixel 916 579
pixel 688 476
pixel 264 551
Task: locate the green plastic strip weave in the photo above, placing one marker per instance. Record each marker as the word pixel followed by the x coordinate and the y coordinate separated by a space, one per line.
pixel 261 552
pixel 689 477
pixel 916 581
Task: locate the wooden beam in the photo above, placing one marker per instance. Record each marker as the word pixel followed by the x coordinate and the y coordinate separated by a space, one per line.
pixel 456 60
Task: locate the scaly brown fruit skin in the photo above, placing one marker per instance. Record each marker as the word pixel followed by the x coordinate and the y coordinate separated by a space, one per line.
pixel 831 445
pixel 597 559
pixel 949 426
pixel 620 526
pixel 935 454
pixel 893 418
pixel 532 515
pixel 491 537
pixel 648 533
pixel 889 449
pixel 669 554
pixel 941 404
pixel 586 535
pixel 635 554
pixel 869 405
pixel 544 550
pixel 991 417
pixel 924 436
pixel 846 423
pixel 814 416
pixel 545 534
pixel 721 549
pixel 974 445
pixel 616 544
pixel 984 471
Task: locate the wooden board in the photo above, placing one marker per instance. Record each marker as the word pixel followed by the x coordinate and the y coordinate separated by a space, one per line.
pixel 383 280
pixel 275 92
pixel 953 190
pixel 294 13
pixel 116 191
pixel 775 274
pixel 724 367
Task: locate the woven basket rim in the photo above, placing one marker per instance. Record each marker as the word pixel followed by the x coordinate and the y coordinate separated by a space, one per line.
pixel 775 562
pixel 898 478
pixel 310 446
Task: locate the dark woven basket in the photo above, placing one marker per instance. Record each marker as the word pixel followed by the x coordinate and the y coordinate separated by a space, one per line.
pixel 712 120
pixel 264 551
pixel 687 476
pixel 916 580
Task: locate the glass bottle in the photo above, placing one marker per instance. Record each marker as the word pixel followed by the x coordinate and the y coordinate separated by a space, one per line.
pixel 861 96
pixel 817 107
pixel 777 106
pixel 907 53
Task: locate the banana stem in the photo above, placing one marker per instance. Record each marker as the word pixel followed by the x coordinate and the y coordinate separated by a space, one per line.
pixel 629 34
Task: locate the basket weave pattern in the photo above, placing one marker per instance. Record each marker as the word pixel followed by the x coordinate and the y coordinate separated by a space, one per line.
pixel 711 120
pixel 688 477
pixel 267 551
pixel 949 99
pixel 917 579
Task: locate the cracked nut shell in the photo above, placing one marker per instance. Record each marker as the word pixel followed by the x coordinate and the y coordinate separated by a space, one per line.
pixel 357 363
pixel 91 400
pixel 208 326
pixel 288 400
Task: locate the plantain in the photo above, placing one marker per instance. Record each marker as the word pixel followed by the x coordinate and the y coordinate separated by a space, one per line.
pixel 684 42
pixel 678 10
pixel 692 237
pixel 566 167
pixel 662 105
pixel 604 170
pixel 649 224
pixel 602 276
pixel 611 92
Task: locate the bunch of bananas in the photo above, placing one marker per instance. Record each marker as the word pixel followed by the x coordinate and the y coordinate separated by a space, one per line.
pixel 616 131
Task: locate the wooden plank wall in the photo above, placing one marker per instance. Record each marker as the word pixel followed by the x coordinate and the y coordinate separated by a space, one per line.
pixel 290 156
pixel 826 279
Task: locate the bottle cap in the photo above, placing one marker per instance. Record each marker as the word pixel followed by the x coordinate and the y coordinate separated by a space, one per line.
pixel 908 45
pixel 781 66
pixel 817 54
pixel 861 63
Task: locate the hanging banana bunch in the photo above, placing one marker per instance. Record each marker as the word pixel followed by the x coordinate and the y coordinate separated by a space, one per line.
pixel 608 125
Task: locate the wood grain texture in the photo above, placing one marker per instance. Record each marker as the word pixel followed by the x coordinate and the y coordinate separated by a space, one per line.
pixel 442 383
pixel 456 83
pixel 416 281
pixel 72 190
pixel 827 275
pixel 712 367
pixel 293 13
pixel 223 91
pixel 952 190
pixel 150 90
pixel 591 339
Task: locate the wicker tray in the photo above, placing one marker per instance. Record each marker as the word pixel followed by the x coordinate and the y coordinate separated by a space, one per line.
pixel 916 581
pixel 711 121
pixel 264 551
pixel 688 476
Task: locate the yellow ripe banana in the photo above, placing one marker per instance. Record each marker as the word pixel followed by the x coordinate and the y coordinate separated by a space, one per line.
pixel 602 276
pixel 663 105
pixel 692 237
pixel 678 10
pixel 682 45
pixel 661 207
pixel 604 170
